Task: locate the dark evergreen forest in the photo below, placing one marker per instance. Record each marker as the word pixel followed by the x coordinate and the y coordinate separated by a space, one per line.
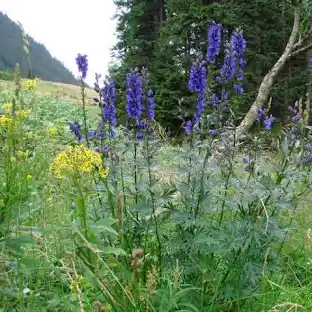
pixel 164 35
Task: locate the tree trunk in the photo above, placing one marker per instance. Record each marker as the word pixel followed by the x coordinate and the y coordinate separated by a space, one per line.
pixel 227 139
pixel 269 80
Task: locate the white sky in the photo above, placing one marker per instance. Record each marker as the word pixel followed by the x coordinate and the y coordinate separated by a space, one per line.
pixel 69 27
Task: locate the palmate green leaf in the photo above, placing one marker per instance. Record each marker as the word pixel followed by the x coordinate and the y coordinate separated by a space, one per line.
pixel 113 250
pixel 103 225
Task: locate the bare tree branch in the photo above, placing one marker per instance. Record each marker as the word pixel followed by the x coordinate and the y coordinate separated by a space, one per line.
pixel 302 40
pixel 301 50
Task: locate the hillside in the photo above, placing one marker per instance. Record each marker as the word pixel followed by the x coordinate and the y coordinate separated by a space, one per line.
pixel 44 65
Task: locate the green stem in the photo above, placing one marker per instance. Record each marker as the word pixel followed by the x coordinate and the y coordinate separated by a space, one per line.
pixel 201 191
pixel 153 203
pixel 84 111
pixel 190 161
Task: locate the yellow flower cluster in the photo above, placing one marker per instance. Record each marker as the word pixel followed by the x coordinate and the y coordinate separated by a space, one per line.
pixel 7 108
pixel 77 159
pixel 23 113
pixel 78 283
pixel 31 84
pixel 21 154
pixel 52 131
pixel 5 120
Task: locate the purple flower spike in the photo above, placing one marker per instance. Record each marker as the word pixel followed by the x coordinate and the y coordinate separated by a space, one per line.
pixel 82 63
pixel 198 75
pixel 134 95
pixel 188 127
pixel 238 89
pixel 214 41
pixel 75 128
pixel 268 122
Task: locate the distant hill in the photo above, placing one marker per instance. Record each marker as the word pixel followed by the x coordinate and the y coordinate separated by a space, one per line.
pixel 44 65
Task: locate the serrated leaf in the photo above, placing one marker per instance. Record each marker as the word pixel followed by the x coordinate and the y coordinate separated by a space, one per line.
pixel 104 225
pixel 113 250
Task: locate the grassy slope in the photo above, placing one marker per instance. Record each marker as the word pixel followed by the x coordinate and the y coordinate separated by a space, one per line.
pixel 61 91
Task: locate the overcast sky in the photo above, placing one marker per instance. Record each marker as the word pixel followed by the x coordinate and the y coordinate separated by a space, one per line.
pixel 69 27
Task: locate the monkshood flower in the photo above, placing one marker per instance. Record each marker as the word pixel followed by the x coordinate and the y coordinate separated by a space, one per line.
pixel 224 97
pixel 214 41
pixel 197 84
pixel 268 121
pixel 239 49
pixel 82 63
pixel 199 107
pixel 134 96
pixel 108 107
pixel 228 69
pixel 260 114
pixel 74 127
pixel 295 112
pixel 234 61
pixel 198 76
pixel 141 125
pixel 310 63
pixel 309 160
pixel 295 117
pixel 188 127
pixel 238 89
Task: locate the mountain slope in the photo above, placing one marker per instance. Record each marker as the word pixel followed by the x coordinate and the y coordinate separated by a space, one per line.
pixel 43 64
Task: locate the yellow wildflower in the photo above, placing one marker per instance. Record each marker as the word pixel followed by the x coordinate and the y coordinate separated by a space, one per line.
pixel 77 159
pixel 77 283
pixel 23 112
pixel 52 131
pixel 31 84
pixel 5 120
pixel 103 172
pixel 7 107
pixel 22 154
